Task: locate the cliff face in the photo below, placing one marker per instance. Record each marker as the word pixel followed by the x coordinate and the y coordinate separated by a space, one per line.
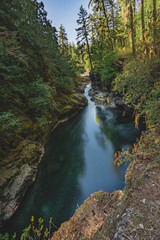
pixel 129 214
pixel 19 169
pixel 17 173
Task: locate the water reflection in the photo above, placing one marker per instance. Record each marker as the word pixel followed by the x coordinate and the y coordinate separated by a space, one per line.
pixel 117 128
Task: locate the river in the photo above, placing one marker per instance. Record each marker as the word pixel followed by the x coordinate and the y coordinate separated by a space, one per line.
pixel 78 161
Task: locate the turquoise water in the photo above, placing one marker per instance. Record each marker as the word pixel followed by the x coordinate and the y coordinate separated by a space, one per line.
pixel 78 161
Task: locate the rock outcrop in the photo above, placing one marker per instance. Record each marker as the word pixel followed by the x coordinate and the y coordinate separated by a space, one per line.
pixel 17 173
pixel 109 99
pixel 88 218
pixel 129 214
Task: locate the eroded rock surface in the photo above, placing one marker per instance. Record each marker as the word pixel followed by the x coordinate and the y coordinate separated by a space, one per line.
pixel 129 214
pixel 88 218
pixel 17 173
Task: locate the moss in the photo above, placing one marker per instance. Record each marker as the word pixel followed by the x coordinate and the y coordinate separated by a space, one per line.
pixel 27 124
pixel 128 175
pixel 151 166
pixel 68 107
pixel 74 101
pixel 29 151
pixel 100 196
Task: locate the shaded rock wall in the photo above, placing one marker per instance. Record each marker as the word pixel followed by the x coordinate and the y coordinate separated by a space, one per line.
pixel 19 169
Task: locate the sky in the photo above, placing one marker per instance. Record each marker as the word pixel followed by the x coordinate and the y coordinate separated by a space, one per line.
pixel 65 12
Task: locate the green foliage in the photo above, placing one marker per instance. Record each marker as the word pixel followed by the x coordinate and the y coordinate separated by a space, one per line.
pixel 8 121
pixel 139 84
pixel 63 41
pixel 40 88
pixel 43 121
pixel 75 59
pixel 40 105
pixel 40 95
pixel 97 52
pixel 83 34
pixel 147 147
pixel 26 233
pixel 119 25
pixel 6 236
pixel 63 84
pixel 32 69
pixel 152 107
pixel 35 231
pixel 110 70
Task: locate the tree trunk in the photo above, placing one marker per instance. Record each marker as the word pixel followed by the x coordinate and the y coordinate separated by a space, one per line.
pixel 89 54
pixel 86 38
pixel 113 21
pixel 142 20
pixel 154 26
pixel 134 14
pixel 143 26
pixel 113 17
pixel 132 29
pixel 106 17
pixel 134 8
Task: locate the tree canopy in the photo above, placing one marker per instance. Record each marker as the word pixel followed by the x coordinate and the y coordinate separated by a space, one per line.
pixel 33 70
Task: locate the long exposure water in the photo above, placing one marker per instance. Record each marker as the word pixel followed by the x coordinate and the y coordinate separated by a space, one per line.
pixel 78 161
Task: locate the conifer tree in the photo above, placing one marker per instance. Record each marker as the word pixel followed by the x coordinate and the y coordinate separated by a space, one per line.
pixel 132 28
pixel 32 70
pixel 63 40
pixel 100 5
pixel 83 32
pixel 143 26
pixel 155 26
pixel 127 6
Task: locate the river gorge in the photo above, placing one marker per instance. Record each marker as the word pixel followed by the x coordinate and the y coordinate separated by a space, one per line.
pixel 78 161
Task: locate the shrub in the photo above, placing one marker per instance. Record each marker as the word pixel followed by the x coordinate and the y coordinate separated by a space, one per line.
pixel 8 120
pixel 110 70
pixel 139 84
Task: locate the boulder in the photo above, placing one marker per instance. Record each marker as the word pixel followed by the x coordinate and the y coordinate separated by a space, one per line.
pixel 99 98
pixel 91 92
pixel 119 101
pixel 105 94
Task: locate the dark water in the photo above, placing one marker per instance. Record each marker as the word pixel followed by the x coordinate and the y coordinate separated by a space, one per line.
pixel 78 161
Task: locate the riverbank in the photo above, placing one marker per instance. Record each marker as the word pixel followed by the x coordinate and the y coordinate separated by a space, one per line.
pixel 107 98
pixel 129 214
pixel 19 169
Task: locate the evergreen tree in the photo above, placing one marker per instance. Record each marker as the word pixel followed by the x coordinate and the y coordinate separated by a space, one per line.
pixel 100 5
pixel 63 40
pixel 155 25
pixel 132 27
pixel 32 72
pixel 83 32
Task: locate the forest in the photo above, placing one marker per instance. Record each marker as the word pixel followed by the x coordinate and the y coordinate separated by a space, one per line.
pixel 118 44
pixel 30 71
